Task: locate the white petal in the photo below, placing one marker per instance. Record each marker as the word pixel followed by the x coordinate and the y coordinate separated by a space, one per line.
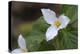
pixel 21 42
pixel 17 51
pixel 64 21
pixel 49 15
pixel 51 33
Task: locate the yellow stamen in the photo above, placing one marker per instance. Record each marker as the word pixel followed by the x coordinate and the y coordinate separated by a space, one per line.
pixel 57 23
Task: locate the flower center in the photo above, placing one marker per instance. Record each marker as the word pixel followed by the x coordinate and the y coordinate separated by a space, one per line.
pixel 57 23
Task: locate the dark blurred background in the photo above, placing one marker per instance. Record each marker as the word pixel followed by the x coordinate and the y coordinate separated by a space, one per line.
pixel 22 15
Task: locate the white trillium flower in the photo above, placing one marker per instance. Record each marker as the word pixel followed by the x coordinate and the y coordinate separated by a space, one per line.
pixel 22 45
pixel 56 23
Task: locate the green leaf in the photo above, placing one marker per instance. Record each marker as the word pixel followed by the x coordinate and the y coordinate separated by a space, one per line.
pixel 33 41
pixel 71 11
pixel 40 25
pixel 67 38
pixel 37 35
pixel 45 46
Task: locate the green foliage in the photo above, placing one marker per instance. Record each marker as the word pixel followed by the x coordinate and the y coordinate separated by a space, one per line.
pixel 67 38
pixel 37 35
pixel 71 11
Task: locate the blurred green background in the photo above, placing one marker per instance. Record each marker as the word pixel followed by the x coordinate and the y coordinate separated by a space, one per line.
pixel 26 18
